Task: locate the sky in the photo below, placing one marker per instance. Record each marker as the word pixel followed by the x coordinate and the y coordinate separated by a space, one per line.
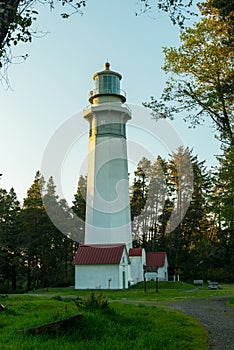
pixel 42 111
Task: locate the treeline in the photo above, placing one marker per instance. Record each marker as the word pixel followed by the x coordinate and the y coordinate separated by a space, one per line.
pixel 33 251
pixel 179 207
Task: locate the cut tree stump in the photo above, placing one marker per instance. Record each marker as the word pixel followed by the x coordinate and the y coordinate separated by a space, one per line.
pixel 53 327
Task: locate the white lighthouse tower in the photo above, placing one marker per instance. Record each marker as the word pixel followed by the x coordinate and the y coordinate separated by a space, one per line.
pixel 108 218
pixel 107 260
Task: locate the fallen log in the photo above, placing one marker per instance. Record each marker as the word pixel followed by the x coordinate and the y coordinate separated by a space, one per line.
pixel 53 327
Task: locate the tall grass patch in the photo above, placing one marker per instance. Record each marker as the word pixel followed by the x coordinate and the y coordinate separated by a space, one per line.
pixel 114 327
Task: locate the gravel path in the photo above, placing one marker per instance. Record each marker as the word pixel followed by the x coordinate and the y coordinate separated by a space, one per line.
pixel 214 315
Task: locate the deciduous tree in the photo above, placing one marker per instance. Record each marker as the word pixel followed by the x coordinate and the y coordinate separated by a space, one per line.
pixel 202 78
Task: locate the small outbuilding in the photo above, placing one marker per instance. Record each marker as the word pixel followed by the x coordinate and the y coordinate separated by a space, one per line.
pixel 138 260
pixel 101 266
pixel 157 260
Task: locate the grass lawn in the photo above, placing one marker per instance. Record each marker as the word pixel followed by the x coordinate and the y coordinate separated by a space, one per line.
pixel 120 326
pixel 167 291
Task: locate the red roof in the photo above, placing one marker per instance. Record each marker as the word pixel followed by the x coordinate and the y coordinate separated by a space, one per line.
pixel 135 252
pixel 155 259
pixel 98 254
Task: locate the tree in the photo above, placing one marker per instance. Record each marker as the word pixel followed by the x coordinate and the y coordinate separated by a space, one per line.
pixel 33 222
pixel 17 18
pixel 157 196
pixel 178 10
pixel 201 83
pixel 138 200
pixel 222 200
pixel 48 250
pixel 56 260
pixel 10 250
pixel 225 7
pixel 79 203
pixel 182 226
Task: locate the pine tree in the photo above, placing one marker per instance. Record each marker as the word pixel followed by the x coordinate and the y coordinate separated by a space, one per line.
pixel 138 199
pixel 79 203
pixel 189 221
pixel 10 252
pixel 222 200
pixel 33 219
pixel 157 195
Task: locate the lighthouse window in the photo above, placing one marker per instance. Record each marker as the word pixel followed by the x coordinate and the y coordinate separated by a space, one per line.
pixel 111 128
pixel 107 84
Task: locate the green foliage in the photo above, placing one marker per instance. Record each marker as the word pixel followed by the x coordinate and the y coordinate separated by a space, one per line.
pixel 17 24
pixel 201 75
pixel 138 200
pixel 10 250
pixel 79 203
pixel 178 10
pixel 225 7
pixel 174 216
pixel 222 199
pixel 34 253
pixel 92 303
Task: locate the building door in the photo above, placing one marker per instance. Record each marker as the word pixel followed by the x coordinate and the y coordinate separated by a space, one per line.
pixel 124 279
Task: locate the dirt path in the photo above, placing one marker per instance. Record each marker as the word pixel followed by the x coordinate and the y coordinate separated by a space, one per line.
pixel 214 315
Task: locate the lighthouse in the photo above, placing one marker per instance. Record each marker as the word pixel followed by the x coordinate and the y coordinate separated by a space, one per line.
pixel 108 217
pixel 107 260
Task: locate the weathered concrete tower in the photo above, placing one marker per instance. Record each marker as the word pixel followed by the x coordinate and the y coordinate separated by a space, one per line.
pixel 107 204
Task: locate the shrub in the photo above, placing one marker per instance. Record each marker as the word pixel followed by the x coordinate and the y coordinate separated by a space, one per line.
pixel 92 303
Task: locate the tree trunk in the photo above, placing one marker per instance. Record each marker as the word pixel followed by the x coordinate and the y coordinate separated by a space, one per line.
pixel 29 277
pixel 13 278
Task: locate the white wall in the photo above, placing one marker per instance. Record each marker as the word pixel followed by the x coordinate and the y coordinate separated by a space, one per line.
pixel 108 217
pixel 162 273
pixel 137 271
pixel 98 276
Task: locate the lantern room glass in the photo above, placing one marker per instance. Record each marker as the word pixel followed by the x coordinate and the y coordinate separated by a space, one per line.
pixel 107 84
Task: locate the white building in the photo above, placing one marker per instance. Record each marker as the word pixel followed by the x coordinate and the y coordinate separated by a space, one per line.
pixel 107 259
pixel 107 203
pixel 159 260
pixel 101 266
pixel 138 261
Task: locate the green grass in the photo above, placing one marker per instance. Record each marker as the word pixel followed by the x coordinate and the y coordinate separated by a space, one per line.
pixel 231 302
pixel 168 291
pixel 134 319
pixel 118 327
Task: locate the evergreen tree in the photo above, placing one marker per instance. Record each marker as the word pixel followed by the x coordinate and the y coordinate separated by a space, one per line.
pixel 79 203
pixel 10 252
pixel 48 249
pixel 33 219
pixel 138 200
pixel 157 195
pixel 222 200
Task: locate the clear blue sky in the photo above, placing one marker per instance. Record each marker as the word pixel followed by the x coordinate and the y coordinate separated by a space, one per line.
pixel 53 85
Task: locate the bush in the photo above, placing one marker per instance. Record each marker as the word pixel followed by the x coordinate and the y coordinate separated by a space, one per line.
pixel 92 303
